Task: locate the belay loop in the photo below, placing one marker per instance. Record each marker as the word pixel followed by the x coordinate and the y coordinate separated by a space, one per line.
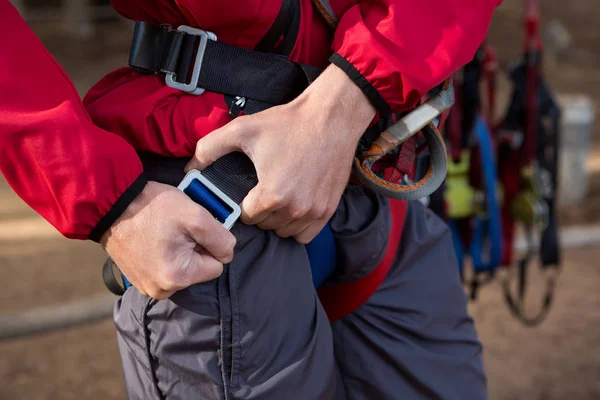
pixel 419 120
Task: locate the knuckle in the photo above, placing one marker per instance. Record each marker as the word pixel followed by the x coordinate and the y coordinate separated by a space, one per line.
pixel 240 130
pixel 231 248
pixel 320 210
pixel 169 281
pixel 330 209
pixel 199 220
pixel 299 210
pixel 199 149
pixel 275 200
pixel 235 127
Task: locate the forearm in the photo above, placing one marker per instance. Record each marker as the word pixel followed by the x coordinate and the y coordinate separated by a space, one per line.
pixel 77 176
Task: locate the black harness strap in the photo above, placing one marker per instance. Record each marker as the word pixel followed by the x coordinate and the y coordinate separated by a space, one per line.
pixel 110 279
pixel 547 151
pixel 264 77
pixel 282 35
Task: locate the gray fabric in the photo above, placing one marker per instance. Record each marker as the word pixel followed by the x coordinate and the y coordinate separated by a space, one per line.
pixel 360 226
pixel 259 331
pixel 414 339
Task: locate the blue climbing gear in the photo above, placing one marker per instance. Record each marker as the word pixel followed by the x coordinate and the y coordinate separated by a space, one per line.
pixel 488 225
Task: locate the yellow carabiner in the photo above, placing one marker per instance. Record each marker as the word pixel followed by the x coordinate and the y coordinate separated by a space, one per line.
pixel 460 195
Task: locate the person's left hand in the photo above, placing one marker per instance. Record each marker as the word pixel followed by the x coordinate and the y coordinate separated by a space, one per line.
pixel 302 152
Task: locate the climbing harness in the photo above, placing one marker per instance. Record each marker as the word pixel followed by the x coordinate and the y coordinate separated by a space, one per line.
pixel 532 206
pixel 193 61
pixel 528 157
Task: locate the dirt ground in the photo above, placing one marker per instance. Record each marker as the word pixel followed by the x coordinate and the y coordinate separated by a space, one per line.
pixel 558 360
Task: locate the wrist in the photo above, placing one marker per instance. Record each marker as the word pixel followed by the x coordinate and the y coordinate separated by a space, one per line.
pixel 134 207
pixel 340 102
pixel 118 208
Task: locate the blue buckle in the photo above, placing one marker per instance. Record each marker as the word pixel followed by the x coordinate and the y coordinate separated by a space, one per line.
pixel 203 192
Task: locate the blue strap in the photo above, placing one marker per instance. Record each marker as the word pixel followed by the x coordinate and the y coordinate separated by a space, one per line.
pixel 488 230
pixel 322 256
pixel 126 283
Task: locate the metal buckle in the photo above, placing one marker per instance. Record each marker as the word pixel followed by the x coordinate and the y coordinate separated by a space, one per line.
pixel 192 87
pixel 197 175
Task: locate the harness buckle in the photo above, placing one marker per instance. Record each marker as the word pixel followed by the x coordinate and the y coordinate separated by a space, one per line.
pixel 192 86
pixel 205 193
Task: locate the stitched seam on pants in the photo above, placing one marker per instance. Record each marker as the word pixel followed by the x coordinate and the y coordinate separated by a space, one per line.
pixel 152 362
pixel 225 309
pixel 235 327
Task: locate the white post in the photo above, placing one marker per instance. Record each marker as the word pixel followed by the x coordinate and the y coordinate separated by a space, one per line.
pixel 577 126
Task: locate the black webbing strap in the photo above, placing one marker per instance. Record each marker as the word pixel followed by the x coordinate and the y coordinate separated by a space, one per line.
pixel 233 174
pixel 264 77
pixel 110 279
pixel 547 152
pixel 282 35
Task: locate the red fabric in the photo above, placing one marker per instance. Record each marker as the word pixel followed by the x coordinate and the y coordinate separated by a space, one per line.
pixel 155 118
pixel 406 47
pixel 68 170
pixel 391 42
pixel 342 299
pixel 72 172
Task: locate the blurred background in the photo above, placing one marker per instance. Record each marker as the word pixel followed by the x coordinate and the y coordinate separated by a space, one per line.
pixel 559 359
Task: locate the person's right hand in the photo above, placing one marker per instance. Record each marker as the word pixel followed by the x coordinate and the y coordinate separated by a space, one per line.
pixel 164 242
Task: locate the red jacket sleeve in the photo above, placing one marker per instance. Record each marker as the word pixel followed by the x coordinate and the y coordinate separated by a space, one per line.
pixel 77 176
pixel 397 50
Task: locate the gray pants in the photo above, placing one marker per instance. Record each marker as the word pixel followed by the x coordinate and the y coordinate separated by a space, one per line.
pixel 259 331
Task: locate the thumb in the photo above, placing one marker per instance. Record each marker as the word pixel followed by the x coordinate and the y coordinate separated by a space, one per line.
pixel 203 268
pixel 209 234
pixel 215 145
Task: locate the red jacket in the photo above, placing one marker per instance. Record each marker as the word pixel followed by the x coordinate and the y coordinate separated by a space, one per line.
pixel 80 176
